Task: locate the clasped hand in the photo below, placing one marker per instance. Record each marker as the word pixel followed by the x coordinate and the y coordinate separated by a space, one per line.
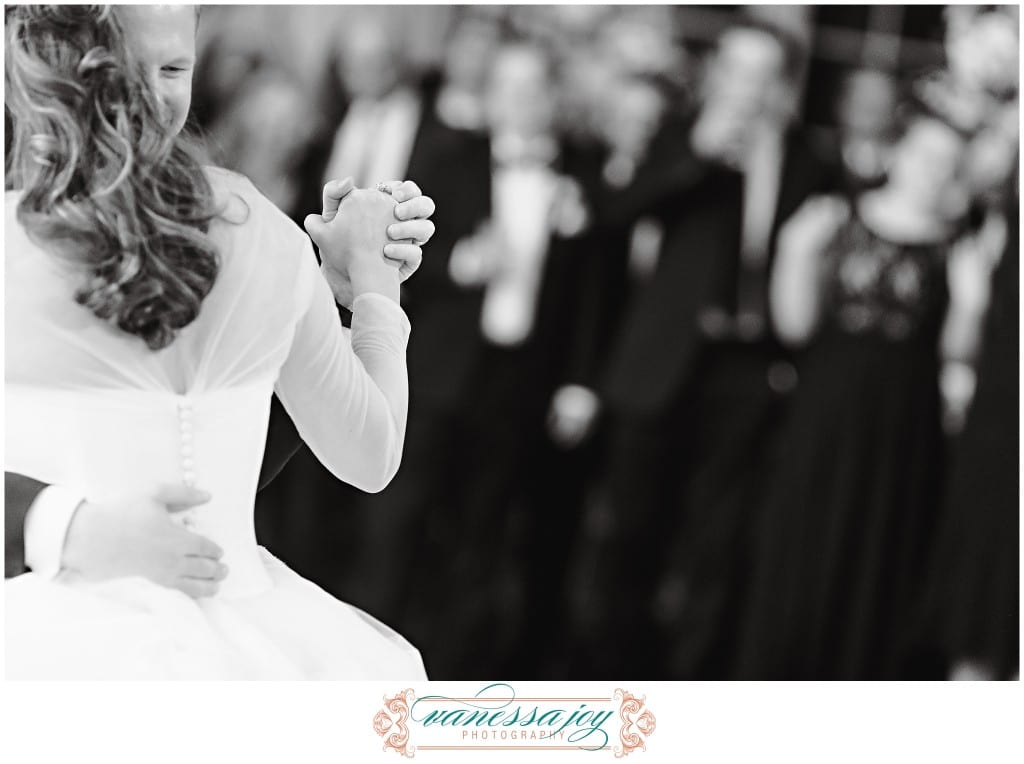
pixel 370 240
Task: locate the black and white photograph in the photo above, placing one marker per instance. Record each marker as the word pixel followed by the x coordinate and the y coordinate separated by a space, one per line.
pixel 535 342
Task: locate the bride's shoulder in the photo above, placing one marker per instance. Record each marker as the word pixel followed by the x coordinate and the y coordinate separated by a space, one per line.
pixel 249 220
pixel 234 192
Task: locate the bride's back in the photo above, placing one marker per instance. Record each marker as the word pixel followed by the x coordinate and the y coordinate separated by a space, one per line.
pixel 243 327
pixel 91 406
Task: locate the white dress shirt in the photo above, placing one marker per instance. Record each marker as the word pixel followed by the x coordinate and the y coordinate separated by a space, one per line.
pixel 46 529
pixel 523 196
pixel 375 139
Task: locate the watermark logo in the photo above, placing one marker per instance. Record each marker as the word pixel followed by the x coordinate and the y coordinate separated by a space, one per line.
pixel 496 719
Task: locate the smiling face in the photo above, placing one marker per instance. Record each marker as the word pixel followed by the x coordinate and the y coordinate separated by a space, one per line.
pixel 163 40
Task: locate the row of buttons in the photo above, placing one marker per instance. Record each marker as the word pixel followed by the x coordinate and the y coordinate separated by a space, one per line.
pixel 188 474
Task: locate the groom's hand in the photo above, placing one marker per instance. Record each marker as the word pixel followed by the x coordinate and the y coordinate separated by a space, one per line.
pixel 352 245
pixel 407 228
pixel 136 536
pixel 413 229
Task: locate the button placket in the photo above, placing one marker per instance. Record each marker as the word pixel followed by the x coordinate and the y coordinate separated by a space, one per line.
pixel 187 452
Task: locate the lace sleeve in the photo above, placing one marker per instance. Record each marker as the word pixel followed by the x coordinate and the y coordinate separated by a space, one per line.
pixel 347 391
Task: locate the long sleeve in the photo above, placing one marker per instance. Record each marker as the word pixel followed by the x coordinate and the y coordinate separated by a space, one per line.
pixel 19 493
pixel 347 390
pixel 37 519
pixel 283 442
pixel 46 529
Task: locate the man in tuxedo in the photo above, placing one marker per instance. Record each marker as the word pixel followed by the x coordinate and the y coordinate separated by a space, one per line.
pixel 522 264
pixel 51 527
pixel 695 378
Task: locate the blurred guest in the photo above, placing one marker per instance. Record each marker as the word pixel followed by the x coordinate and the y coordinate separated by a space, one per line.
pixel 627 112
pixel 264 134
pixel 466 64
pixel 641 41
pixel 977 564
pixel 695 375
pixel 974 608
pixel 374 138
pixel 520 258
pixel 628 115
pixel 231 50
pixel 867 125
pixel 850 513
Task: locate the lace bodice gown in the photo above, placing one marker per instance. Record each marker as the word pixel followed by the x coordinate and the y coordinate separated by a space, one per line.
pixel 848 518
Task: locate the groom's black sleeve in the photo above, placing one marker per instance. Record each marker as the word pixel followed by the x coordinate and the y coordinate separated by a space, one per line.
pixel 19 493
pixel 283 442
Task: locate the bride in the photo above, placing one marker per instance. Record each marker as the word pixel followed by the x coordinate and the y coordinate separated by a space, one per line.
pixel 153 306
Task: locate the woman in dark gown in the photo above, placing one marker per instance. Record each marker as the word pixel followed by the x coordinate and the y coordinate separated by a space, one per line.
pixel 843 538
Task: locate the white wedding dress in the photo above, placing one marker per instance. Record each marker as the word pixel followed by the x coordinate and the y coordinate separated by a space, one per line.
pixel 91 408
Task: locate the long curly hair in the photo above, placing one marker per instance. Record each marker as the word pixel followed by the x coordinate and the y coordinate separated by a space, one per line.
pixel 102 180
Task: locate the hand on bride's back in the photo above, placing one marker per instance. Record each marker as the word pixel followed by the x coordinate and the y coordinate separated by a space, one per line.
pixel 136 536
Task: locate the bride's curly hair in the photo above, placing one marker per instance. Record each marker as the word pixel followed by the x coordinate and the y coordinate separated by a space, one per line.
pixel 103 182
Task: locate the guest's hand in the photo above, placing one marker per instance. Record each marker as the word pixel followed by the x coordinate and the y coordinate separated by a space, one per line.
pixel 370 241
pixel 572 416
pixel 474 259
pixel 136 536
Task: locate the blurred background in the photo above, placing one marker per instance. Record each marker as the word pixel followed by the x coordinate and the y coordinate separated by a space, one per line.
pixel 714 363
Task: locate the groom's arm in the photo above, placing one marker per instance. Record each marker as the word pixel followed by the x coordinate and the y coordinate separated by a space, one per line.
pixel 19 493
pixel 283 442
pixel 36 520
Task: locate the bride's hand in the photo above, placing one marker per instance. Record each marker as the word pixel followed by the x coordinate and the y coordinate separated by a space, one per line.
pixel 367 237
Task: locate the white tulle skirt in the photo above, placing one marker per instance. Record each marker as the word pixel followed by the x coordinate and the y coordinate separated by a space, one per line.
pixel 130 628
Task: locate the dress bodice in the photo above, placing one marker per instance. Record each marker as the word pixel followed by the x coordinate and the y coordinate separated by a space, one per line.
pixel 883 289
pixel 93 409
pixel 115 443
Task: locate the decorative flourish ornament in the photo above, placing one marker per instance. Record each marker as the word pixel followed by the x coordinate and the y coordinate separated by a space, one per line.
pixel 638 723
pixel 390 723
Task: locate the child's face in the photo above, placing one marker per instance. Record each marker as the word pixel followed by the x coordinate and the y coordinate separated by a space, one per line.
pixel 163 39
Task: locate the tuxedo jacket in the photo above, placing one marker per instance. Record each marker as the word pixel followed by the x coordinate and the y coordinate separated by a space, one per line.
pixel 553 352
pixel 453 167
pixel 600 270
pixel 657 350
